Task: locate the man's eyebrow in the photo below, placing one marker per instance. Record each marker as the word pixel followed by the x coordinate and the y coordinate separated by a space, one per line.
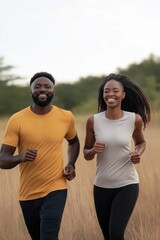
pixel 42 84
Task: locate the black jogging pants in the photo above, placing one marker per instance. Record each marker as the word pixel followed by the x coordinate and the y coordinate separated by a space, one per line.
pixel 114 207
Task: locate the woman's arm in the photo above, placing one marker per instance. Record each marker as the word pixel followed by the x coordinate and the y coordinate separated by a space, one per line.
pixel 139 141
pixel 91 147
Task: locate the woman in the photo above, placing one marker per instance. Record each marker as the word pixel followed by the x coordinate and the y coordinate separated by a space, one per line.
pixel 123 111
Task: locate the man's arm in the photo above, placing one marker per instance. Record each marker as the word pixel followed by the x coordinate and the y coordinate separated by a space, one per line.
pixel 8 161
pixel 73 152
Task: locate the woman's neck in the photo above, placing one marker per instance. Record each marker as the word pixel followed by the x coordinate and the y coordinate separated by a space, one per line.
pixel 114 114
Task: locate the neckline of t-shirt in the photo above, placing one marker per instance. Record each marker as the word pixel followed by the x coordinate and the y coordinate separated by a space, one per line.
pixel 41 115
pixel 115 120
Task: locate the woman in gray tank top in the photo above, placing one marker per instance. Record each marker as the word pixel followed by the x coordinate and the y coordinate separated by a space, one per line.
pixel 123 113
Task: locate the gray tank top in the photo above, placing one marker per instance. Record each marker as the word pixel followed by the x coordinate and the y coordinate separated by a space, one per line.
pixel 114 167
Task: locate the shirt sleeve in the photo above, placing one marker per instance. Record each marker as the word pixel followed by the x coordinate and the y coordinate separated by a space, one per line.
pixel 71 133
pixel 11 135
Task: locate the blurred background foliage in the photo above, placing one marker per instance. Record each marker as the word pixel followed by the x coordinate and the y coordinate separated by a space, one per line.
pixel 80 96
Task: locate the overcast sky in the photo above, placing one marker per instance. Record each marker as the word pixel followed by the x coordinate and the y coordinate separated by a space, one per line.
pixel 76 38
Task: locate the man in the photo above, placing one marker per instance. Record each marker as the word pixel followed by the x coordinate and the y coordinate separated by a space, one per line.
pixel 38 132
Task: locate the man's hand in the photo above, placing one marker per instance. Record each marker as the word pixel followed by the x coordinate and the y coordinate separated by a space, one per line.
pixel 69 172
pixel 28 155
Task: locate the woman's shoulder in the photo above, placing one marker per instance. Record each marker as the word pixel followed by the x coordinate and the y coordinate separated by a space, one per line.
pixel 132 115
pixel 95 116
pixel 90 118
pixel 138 118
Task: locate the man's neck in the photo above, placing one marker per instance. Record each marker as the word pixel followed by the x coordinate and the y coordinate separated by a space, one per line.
pixel 41 110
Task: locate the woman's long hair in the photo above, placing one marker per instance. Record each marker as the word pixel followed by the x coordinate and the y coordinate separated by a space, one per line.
pixel 134 101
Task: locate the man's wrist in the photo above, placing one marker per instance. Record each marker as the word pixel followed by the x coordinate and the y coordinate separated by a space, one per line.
pixel 72 164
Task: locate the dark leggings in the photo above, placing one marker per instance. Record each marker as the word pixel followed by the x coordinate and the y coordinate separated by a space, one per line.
pixel 43 215
pixel 114 207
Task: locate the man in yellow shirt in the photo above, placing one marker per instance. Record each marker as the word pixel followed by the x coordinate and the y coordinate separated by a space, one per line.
pixel 38 132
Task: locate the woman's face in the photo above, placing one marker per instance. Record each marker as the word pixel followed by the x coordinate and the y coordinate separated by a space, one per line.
pixel 113 93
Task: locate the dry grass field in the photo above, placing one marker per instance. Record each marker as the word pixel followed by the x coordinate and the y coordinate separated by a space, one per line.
pixel 79 219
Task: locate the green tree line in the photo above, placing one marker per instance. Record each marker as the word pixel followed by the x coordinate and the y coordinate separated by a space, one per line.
pixel 80 96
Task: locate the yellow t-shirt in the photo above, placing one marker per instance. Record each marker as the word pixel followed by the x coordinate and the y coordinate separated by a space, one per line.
pixel 27 130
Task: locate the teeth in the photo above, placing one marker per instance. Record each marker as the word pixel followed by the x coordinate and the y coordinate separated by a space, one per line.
pixel 111 100
pixel 42 95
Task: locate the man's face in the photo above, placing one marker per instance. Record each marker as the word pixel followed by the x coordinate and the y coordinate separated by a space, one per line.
pixel 42 90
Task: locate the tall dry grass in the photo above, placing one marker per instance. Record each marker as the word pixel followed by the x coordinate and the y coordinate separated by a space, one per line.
pixel 79 219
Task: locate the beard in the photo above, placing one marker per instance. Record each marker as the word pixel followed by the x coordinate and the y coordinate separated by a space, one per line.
pixel 42 103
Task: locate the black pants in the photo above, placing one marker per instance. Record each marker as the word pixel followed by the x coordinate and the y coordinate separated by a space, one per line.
pixel 43 215
pixel 114 207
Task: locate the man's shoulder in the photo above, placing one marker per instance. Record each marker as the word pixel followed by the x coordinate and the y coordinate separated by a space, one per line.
pixel 62 111
pixel 21 113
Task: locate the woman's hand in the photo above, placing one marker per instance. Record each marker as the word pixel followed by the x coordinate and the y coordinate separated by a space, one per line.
pixel 135 157
pixel 99 147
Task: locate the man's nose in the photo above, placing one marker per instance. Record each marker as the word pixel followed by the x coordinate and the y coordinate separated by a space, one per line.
pixel 42 89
